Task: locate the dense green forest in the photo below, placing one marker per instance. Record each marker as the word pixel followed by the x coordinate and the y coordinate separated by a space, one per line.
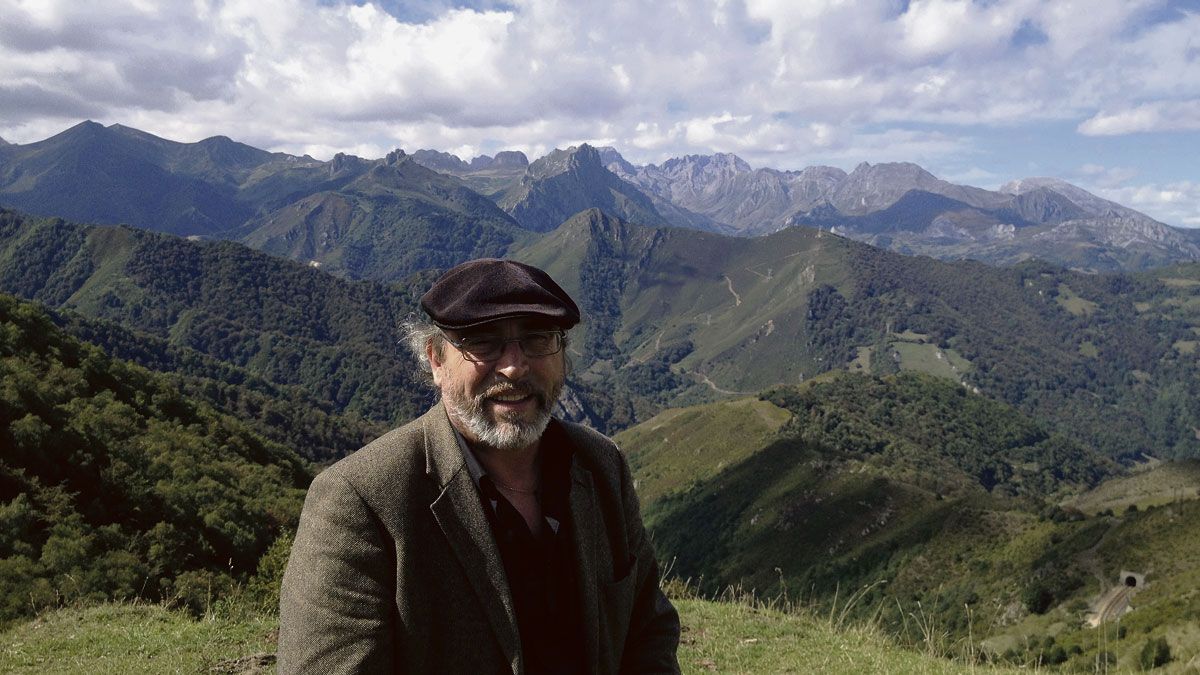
pixel 1073 350
pixel 281 321
pixel 919 420
pixel 115 484
pixel 286 414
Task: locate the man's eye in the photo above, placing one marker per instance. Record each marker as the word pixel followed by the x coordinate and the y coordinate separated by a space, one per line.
pixel 536 339
pixel 482 344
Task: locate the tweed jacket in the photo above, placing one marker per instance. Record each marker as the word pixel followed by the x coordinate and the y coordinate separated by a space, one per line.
pixel 394 567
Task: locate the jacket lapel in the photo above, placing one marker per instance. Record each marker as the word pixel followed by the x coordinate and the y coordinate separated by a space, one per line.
pixel 586 531
pixel 459 513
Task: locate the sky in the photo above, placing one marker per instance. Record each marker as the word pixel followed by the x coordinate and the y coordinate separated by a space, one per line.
pixel 1102 93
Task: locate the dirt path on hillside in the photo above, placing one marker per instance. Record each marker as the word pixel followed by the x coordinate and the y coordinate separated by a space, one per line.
pixel 714 387
pixel 737 299
pixel 657 345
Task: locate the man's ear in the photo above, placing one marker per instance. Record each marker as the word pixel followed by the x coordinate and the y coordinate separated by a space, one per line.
pixel 435 362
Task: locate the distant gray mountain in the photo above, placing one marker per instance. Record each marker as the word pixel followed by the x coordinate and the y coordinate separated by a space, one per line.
pixel 615 163
pixel 4 142
pixel 1090 204
pixel 677 213
pixel 873 187
pixel 443 162
pixel 509 159
pixel 565 182
pixel 1031 218
pixel 489 176
pixel 725 188
pixel 903 207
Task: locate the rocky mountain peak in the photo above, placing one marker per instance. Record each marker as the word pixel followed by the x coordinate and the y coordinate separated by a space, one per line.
pixel 442 162
pixel 873 187
pixel 1022 185
pixel 585 155
pixel 827 174
pixel 730 161
pixel 583 159
pixel 891 171
pixel 86 130
pixel 505 159
pixel 342 163
pixel 395 157
pixel 1096 207
pixel 510 158
pixel 719 164
pixel 615 162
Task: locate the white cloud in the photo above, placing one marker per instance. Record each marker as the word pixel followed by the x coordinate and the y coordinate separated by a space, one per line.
pixel 1156 116
pixel 780 82
pixel 1108 177
pixel 1176 203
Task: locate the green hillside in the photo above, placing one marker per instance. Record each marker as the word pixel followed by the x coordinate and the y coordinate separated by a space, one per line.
pixel 708 316
pixel 115 485
pixel 394 219
pixel 281 321
pixel 672 317
pixel 929 505
pixel 288 414
pixel 1154 484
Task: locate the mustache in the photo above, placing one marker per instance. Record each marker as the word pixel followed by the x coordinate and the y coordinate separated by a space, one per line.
pixel 510 389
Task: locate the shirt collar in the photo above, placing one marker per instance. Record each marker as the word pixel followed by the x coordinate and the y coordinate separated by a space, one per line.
pixel 474 468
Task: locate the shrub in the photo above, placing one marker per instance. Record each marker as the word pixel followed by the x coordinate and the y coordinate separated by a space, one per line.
pixel 262 591
pixel 1156 653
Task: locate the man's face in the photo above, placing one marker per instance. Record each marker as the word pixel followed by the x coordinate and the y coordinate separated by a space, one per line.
pixel 504 404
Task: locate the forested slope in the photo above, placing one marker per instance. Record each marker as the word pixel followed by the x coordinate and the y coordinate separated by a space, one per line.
pixel 282 321
pixel 114 484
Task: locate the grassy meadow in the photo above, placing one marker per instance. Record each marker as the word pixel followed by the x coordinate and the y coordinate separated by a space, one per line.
pixel 735 636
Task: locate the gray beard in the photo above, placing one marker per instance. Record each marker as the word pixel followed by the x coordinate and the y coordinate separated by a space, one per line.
pixel 503 434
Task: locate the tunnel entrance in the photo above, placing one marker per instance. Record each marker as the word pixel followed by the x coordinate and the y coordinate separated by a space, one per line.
pixel 1132 579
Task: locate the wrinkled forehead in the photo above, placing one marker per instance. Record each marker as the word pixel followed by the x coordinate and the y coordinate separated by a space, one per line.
pixel 506 327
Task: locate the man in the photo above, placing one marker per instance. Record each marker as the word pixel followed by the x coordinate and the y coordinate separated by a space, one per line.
pixel 485 536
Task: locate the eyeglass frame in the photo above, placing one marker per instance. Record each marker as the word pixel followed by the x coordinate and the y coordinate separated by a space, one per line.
pixel 462 345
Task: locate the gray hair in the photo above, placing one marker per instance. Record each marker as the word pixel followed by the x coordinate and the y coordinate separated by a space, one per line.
pixel 417 334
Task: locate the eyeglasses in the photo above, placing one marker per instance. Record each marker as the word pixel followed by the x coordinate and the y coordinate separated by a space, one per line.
pixel 488 348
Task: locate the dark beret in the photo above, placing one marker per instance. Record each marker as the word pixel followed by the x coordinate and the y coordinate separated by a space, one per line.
pixel 489 289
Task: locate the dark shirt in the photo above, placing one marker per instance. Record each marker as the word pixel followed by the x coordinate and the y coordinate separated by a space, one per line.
pixel 541 568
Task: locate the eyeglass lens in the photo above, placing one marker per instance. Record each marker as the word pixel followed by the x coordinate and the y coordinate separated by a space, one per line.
pixel 491 348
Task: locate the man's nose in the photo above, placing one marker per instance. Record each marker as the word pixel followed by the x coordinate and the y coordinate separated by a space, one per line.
pixel 513 363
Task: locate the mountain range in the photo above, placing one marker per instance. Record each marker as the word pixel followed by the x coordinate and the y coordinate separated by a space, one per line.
pixel 348 213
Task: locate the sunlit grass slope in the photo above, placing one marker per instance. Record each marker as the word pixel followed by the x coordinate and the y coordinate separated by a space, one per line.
pixel 122 639
pixel 684 445
pixel 1161 484
pixel 725 637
